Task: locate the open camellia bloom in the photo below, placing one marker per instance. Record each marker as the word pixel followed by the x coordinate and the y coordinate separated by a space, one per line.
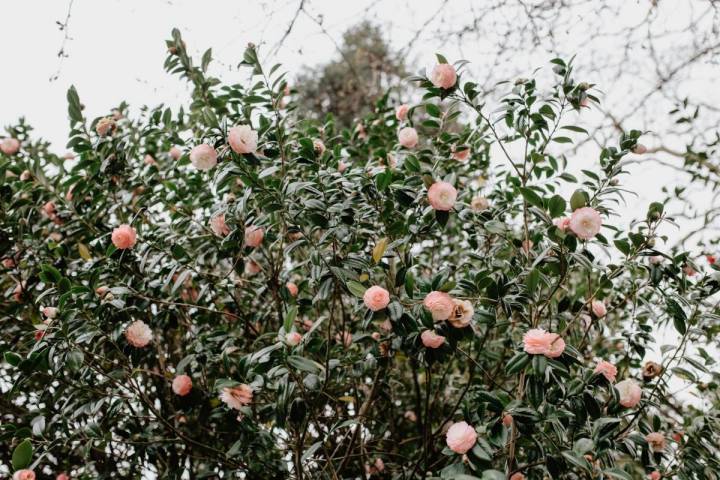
pixel 585 222
pixel 138 334
pixel 630 393
pixel 539 342
pixel 440 305
pixel 598 308
pixel 462 313
pixel 24 474
pixel 254 236
pixel 607 370
pixel 124 237
pixel 442 196
pixel 203 157
pixel 292 289
pixel 408 137
pixel 461 437
pixel 293 338
pixel 181 385
pixel 218 225
pixel 443 75
pixel 9 146
pixel 401 112
pixel 431 339
pixel 175 152
pixel 656 441
pixel 237 397
pixel 376 298
pixel 243 139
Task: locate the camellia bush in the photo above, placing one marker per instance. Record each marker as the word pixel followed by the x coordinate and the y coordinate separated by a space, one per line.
pixel 228 290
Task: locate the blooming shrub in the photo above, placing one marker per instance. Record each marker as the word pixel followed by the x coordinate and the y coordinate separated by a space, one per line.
pixel 275 298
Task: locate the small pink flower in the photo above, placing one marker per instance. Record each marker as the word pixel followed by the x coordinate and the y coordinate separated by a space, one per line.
pixel 431 339
pixel 442 196
pixel 69 156
pixel 639 149
pixel 443 76
pixel 507 420
pixel 462 154
pixel 218 225
pixel 9 146
pixel 401 112
pixel 49 312
pixel 345 338
pixel 539 342
pixel 49 209
pixel 105 126
pixel 62 476
pixel 410 416
pixel 654 475
pixel 408 137
pixel 526 246
pixel 461 437
pixel 254 236
pixel 293 338
pixel 252 267
pixel 319 146
pixel 607 370
pixel 598 308
pixel 556 346
pixel 25 175
pixel 24 474
pixel 181 385
pixel 138 334
pixel 479 204
pixel 175 152
pixel 342 166
pixel 517 476
pixel 563 223
pixel 630 393
pixel 124 237
pixel 101 291
pixel 585 222
pixel 243 139
pixel 149 160
pixel 440 304
pixel 656 441
pixel 8 263
pixel 376 298
pixel 462 313
pixel 689 271
pixel 376 336
pixel 656 259
pixel 203 157
pixel 237 397
pixel 292 288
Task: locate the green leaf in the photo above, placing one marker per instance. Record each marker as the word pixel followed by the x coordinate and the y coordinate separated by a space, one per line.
pixel 577 460
pixel 74 107
pixel 574 128
pixel 578 200
pixel 617 473
pixel 22 455
pixel 517 363
pixel 395 309
pixel 12 358
pixel 531 197
pixel 557 206
pixel 290 318
pixel 678 315
pixel 305 364
pixel 356 288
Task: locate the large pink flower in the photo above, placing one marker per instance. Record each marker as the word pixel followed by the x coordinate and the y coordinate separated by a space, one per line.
pixel 443 75
pixel 175 152
pixel 461 437
pixel 440 304
pixel 9 146
pixel 442 196
pixel 138 334
pixel 431 339
pixel 376 298
pixel 237 397
pixel 461 154
pixel 656 441
pixel 218 225
pixel 630 393
pixel 408 137
pixel 243 139
pixel 401 112
pixel 606 369
pixel 181 385
pixel 292 289
pixel 539 342
pixel 293 338
pixel 124 237
pixel 598 308
pixel 24 474
pixel 585 222
pixel 462 313
pixel 203 157
pixel 105 126
pixel 563 223
pixel 254 236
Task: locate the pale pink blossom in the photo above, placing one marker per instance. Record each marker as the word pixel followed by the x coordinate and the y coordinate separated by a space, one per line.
pixel 461 437
pixel 345 338
pixel 49 209
pixel 462 313
pixel 656 259
pixel 62 476
pixel 607 370
pixel 218 225
pixel 517 476
pixel 442 196
pixel 689 271
pixel 101 290
pixel 479 204
pixel 254 236
pixel 124 237
pixel 410 416
pixel 376 298
pixel 563 223
pixel 408 137
pixel 293 338
pixel 319 146
pixel 539 342
pixel 69 156
pixel 49 312
pixel 252 267
pixel 175 152
pixel 342 166
pixel 25 175
pixel 401 112
pixel 443 75
pixel 630 393
pixel 149 160
pixel 639 149
pixel 376 336
pixel 181 385
pixel 431 339
pixel 243 139
pixel 8 263
pixel 9 146
pixel 526 246
pixel 585 222
pixel 237 397
pixel 203 156
pixel 292 289
pixel 598 308
pixel 440 304
pixel 24 474
pixel 462 154
pixel 656 441
pixel 138 334
pixel 507 420
pixel 654 475
pixel 105 126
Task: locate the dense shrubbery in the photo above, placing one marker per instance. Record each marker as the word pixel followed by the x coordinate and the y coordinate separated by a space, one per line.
pixel 227 290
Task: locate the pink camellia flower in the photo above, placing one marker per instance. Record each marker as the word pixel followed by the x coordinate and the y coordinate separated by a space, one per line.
pixel 218 225
pixel 293 338
pixel 49 209
pixel 101 291
pixel 585 222
pixel 237 397
pixel 539 342
pixel 62 476
pixel 630 393
pixel 656 441
pixel 252 267
pixel 49 312
pixel 319 146
pixel 149 160
pixel 181 385
pixel 607 370
pixel 431 339
pixel 462 154
pixel 124 237
pixel 24 474
pixel 243 139
pixel 440 304
pixel 462 313
pixel 443 76
pixel 401 112
pixel 345 338
pixel 292 288
pixel 25 175
pixel 689 271
pixel 598 308
pixel 138 334
pixel 656 259
pixel 442 196
pixel 69 156
pixel 175 152
pixel 9 146
pixel 8 263
pixel 376 336
pixel 479 204
pixel 342 166
pixel 461 437
pixel 376 298
pixel 654 475
pixel 408 137
pixel 203 157
pixel 254 236
pixel 105 126
pixel 563 223
pixel 507 420
pixel 639 149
